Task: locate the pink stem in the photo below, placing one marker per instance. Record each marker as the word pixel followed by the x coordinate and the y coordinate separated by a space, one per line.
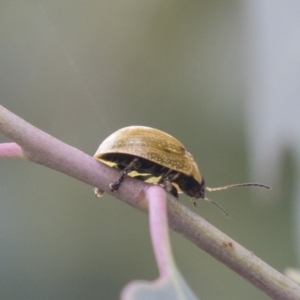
pixel 11 150
pixel 158 222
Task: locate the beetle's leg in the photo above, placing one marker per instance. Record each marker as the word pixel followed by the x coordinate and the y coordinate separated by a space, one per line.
pixel 167 178
pixel 133 165
pixel 174 191
pixel 169 187
pixel 194 202
pixel 166 182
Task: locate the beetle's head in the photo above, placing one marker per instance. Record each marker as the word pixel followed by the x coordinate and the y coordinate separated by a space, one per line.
pixel 196 190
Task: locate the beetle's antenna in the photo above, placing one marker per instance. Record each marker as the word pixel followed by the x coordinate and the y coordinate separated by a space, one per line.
pixel 218 206
pixel 237 185
pixel 229 187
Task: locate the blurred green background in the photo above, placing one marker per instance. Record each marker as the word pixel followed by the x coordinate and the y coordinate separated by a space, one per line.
pixel 80 70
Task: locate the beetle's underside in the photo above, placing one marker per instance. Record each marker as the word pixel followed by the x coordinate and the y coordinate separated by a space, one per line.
pixel 145 170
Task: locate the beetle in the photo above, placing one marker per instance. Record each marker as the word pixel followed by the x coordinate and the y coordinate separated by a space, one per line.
pixel 154 156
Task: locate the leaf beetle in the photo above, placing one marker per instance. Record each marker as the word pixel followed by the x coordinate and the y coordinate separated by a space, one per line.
pixel 154 156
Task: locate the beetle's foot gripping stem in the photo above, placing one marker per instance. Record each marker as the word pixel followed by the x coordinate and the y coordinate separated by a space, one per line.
pixel 115 185
pixel 135 163
pixel 170 188
pixel 167 185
